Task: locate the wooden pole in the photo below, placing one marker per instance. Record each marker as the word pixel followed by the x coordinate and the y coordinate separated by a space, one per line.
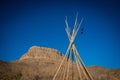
pixel 77 64
pixel 85 71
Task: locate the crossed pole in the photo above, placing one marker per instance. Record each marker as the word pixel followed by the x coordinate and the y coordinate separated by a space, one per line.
pixel 71 48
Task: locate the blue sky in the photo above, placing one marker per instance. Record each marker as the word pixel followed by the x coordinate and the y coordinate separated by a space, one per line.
pixel 25 23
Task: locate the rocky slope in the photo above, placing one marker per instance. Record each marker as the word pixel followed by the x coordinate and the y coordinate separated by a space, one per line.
pixel 41 64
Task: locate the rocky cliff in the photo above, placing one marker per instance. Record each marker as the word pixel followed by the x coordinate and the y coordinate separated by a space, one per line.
pixel 41 63
pixel 36 52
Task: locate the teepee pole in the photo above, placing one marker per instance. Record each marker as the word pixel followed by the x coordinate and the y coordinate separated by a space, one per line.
pixel 64 71
pixel 68 60
pixel 88 76
pixel 67 52
pixel 77 65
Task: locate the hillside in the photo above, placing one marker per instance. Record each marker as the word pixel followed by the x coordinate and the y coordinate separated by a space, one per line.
pixel 41 63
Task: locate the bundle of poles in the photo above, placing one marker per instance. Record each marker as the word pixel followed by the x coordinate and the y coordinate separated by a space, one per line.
pixel 66 69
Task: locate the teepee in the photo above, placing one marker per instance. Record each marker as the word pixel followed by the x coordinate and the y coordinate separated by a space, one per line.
pixel 72 66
